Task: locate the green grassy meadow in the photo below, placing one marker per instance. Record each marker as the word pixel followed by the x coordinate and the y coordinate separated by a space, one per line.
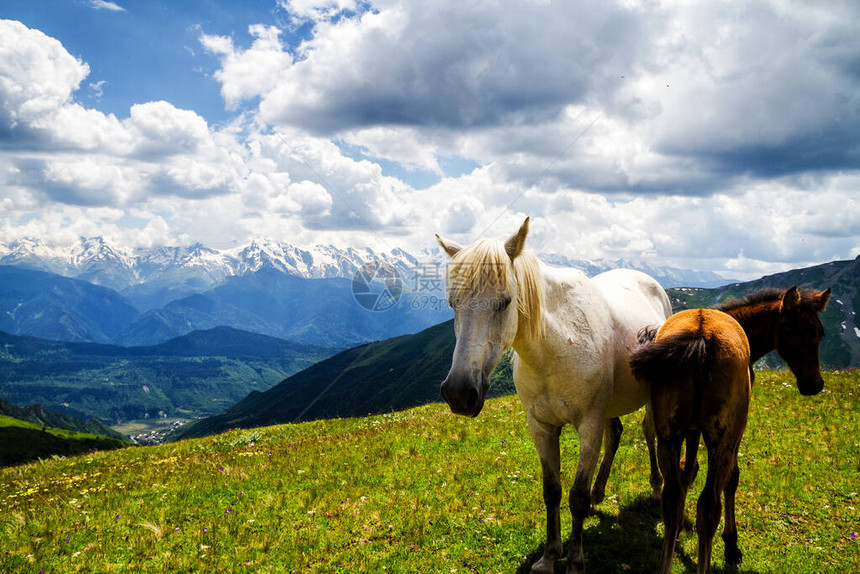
pixel 426 491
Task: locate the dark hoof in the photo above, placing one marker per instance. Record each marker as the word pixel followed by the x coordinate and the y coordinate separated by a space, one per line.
pixel 543 566
pixel 734 556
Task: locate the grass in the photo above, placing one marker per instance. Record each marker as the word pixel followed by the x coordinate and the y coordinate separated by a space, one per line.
pixel 425 491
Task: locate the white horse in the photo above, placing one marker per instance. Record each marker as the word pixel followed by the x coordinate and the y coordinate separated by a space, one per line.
pixel 571 336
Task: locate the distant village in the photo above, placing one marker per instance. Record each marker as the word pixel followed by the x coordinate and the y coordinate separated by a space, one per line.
pixel 156 436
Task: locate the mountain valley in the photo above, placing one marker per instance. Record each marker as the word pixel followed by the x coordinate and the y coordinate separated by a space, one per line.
pixel 198 374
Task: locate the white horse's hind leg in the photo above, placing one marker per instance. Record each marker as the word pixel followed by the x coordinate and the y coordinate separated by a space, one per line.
pixel 590 437
pixel 611 438
pixel 546 441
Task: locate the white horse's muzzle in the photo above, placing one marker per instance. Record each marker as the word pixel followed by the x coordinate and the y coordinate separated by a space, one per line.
pixel 464 394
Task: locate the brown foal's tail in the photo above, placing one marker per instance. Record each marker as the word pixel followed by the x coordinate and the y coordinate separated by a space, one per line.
pixel 679 355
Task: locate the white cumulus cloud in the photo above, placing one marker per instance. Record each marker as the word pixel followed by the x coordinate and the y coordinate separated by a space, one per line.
pixel 106 5
pixel 252 72
pixel 37 75
pixel 708 135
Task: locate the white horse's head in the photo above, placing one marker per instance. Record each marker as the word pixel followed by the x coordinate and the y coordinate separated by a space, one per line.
pixel 495 289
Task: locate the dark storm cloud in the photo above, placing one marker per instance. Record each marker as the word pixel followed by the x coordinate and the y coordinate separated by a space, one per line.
pixel 457 66
pixel 724 90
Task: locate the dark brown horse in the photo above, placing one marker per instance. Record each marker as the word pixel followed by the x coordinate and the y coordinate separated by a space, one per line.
pixel 699 374
pixel 785 321
pixel 698 387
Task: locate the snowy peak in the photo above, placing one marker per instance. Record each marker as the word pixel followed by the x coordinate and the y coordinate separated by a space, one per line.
pixel 320 261
pixel 193 256
pixel 33 254
pixel 93 251
pixel 262 254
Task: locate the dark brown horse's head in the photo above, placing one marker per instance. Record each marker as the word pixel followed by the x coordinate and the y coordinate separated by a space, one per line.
pixel 799 331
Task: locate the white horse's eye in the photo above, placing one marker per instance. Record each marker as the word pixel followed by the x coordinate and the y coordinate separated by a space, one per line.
pixel 502 304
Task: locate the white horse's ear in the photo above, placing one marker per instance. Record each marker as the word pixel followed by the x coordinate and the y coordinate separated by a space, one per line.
pixel 516 242
pixel 450 247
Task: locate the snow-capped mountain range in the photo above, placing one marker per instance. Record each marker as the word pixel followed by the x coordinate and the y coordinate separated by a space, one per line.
pixel 152 277
pixel 196 267
pixel 310 295
pixel 94 260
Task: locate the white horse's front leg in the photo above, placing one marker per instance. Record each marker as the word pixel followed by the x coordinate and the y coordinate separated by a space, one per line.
pixel 590 437
pixel 546 441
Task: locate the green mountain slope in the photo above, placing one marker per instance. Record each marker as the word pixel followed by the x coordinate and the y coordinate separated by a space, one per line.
pixel 198 374
pixel 840 347
pixel 23 441
pixel 374 378
pixel 38 415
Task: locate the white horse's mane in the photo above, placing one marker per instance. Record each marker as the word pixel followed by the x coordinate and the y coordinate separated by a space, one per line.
pixel 485 265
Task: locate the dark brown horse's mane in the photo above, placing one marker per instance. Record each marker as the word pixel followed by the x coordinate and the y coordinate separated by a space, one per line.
pixel 766 295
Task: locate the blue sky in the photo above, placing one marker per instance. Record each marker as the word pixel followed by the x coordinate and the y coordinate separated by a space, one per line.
pixel 715 136
pixel 145 51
